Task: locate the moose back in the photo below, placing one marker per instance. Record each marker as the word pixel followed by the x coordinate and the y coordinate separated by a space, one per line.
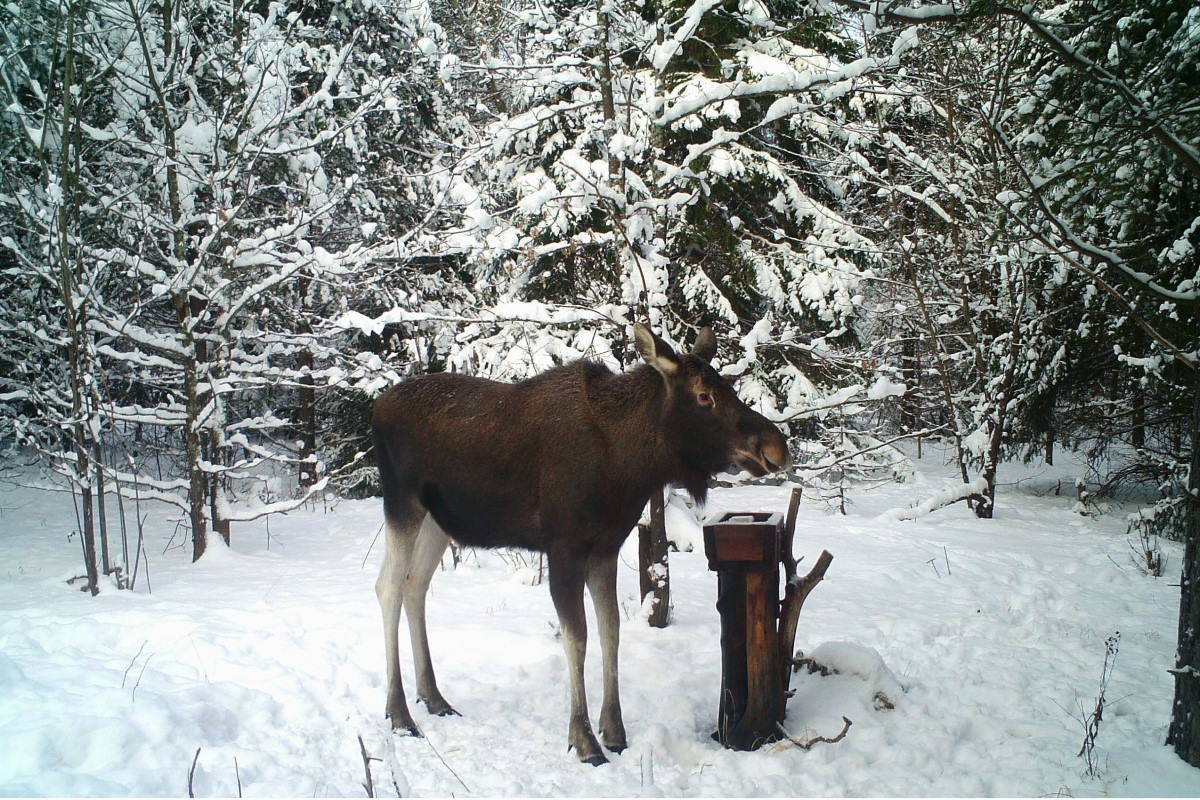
pixel 562 463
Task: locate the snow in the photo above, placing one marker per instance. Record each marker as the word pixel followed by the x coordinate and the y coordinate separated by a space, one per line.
pixel 885 387
pixel 987 636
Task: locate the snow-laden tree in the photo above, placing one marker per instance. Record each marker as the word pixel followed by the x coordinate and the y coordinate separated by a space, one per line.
pixel 1125 202
pixel 1111 174
pixel 763 135
pixel 970 295
pixel 685 164
pixel 240 165
pixel 1104 157
pixel 50 389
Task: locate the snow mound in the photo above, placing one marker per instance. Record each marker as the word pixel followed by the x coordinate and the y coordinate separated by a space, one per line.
pixel 843 681
pixel 846 658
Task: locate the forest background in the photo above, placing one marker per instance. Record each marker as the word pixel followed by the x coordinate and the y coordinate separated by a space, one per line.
pixel 225 227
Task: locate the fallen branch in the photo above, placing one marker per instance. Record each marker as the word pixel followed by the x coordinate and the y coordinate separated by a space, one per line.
pixel 975 491
pixel 803 745
pixel 812 666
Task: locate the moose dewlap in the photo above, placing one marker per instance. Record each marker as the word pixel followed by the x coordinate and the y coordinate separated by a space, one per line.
pixel 562 463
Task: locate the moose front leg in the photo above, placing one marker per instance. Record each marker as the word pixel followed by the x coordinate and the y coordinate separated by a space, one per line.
pixel 566 590
pixel 602 585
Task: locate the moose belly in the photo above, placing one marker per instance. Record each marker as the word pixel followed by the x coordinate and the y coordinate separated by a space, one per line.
pixel 474 517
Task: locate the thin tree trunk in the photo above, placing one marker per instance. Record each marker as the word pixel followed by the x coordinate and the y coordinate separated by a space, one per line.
pixel 102 513
pixel 73 311
pixel 942 367
pixel 306 419
pixel 193 441
pixel 1137 436
pixel 215 455
pixel 608 104
pixel 306 412
pixel 186 315
pixel 1184 731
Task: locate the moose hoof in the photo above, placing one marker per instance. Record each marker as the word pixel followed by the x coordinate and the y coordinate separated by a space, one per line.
pixel 614 740
pixel 581 739
pixel 591 753
pixel 408 730
pixel 614 744
pixel 440 708
pixel 406 727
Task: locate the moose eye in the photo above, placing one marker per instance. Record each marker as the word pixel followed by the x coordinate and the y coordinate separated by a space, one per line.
pixel 705 399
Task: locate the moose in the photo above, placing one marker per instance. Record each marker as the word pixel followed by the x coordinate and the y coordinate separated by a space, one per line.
pixel 563 464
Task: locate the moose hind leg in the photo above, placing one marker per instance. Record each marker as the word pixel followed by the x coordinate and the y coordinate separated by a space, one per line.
pixel 566 590
pixel 427 555
pixel 602 585
pixel 389 588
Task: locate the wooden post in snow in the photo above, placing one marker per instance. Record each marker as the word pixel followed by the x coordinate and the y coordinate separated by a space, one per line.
pixel 746 551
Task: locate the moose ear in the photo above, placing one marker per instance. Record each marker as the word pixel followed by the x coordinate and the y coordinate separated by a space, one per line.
pixel 705 347
pixel 655 351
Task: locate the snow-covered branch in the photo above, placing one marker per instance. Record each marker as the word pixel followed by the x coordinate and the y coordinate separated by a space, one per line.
pixel 1147 114
pixel 967 491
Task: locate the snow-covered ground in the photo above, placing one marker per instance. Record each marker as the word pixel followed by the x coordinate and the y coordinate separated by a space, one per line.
pixel 988 637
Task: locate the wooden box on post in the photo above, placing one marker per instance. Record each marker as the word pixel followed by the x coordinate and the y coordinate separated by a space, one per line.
pixel 744 549
pixel 744 541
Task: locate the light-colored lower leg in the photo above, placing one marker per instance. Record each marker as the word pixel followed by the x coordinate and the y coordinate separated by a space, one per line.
pixel 389 588
pixel 566 589
pixel 427 555
pixel 602 585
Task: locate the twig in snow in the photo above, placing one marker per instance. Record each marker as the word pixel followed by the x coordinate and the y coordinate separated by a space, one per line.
pixel 369 784
pixel 439 755
pixel 237 774
pixel 647 765
pixel 806 745
pixel 132 662
pixel 1091 723
pixel 199 658
pixel 133 693
pixel 192 773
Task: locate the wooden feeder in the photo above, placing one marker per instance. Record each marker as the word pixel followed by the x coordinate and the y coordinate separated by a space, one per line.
pixel 758 630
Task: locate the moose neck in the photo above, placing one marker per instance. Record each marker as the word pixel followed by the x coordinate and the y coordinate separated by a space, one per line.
pixel 639 404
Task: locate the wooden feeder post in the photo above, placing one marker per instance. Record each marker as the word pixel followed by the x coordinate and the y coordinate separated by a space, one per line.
pixel 746 551
pixel 743 549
